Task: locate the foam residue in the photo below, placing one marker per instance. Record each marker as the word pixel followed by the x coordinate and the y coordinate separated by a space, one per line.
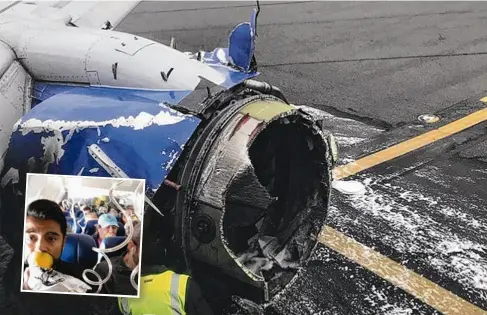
pixel 53 147
pixel 349 187
pixel 346 160
pixel 396 217
pixel 173 156
pixel 12 175
pixel 346 141
pixel 315 292
pixel 320 114
pixel 141 121
pixel 378 297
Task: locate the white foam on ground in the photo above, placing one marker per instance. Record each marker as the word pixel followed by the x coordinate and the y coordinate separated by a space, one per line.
pixel 346 141
pixel 351 187
pixel 381 296
pixel 408 228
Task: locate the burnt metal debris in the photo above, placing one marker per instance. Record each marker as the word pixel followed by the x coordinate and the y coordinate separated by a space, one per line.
pixel 258 197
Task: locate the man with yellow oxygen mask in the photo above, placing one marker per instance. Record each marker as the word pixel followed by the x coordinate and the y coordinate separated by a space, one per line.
pixel 45 237
pixel 161 291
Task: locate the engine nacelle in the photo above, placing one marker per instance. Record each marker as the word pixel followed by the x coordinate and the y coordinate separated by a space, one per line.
pixel 257 186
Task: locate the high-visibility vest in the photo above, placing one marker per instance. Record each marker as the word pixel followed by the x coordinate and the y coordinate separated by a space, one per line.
pixel 160 294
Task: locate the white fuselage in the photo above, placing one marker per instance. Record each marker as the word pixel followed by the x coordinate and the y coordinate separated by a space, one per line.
pixel 50 50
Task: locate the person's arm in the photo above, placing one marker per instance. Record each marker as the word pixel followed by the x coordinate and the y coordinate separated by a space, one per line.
pixel 195 302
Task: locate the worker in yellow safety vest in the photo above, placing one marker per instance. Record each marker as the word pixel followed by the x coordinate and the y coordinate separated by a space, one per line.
pixel 163 292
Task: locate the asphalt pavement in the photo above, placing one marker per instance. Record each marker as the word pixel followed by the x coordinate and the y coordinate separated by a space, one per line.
pixel 373 67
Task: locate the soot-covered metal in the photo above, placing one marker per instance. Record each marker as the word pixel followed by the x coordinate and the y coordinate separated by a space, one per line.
pixel 261 195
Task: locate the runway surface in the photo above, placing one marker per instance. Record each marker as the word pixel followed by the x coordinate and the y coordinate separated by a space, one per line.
pixel 374 68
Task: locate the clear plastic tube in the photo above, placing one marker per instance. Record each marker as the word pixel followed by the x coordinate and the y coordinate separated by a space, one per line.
pixel 103 251
pixel 70 203
pixel 133 275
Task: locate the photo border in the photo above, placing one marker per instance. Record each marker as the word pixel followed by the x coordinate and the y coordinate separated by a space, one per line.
pixel 83 294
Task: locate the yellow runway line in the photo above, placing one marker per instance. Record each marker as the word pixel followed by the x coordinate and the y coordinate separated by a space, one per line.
pixel 402 148
pixel 420 287
pixel 411 282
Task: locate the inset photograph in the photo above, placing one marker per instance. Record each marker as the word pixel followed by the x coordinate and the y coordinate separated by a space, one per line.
pixel 83 235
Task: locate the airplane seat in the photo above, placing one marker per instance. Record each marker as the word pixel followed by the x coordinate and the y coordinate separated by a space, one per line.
pixel 110 242
pixel 121 229
pixel 79 214
pixel 78 250
pixel 90 227
pixel 119 219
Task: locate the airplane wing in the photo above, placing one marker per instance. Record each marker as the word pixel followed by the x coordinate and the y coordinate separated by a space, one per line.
pixel 14 79
pixel 89 14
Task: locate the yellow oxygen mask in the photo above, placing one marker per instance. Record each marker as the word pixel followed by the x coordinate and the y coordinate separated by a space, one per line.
pixel 43 260
pixel 110 234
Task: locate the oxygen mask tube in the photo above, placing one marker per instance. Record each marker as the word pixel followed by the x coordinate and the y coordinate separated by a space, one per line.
pixel 78 222
pixel 70 204
pixel 103 251
pixel 132 277
pixel 129 237
pixel 136 269
pixel 73 216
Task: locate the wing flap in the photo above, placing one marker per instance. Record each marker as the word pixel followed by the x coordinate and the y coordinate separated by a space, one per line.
pixel 95 15
pixel 88 14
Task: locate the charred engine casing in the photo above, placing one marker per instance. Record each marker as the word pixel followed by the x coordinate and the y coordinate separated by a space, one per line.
pixel 256 191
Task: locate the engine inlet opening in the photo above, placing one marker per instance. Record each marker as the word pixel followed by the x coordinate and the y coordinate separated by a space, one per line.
pixel 276 205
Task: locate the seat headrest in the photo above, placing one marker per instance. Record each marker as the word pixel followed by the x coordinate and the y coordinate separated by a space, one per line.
pixel 111 242
pixel 78 250
pixel 90 227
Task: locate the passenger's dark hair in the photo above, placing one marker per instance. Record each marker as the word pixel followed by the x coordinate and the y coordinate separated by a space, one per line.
pixel 48 210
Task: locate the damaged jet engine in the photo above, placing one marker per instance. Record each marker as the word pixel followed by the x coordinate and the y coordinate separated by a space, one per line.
pixel 241 177
pixel 253 192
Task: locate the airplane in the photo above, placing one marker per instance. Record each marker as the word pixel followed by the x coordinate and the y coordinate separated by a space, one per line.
pixel 238 179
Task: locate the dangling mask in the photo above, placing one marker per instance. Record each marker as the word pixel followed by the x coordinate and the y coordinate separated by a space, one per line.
pixel 44 278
